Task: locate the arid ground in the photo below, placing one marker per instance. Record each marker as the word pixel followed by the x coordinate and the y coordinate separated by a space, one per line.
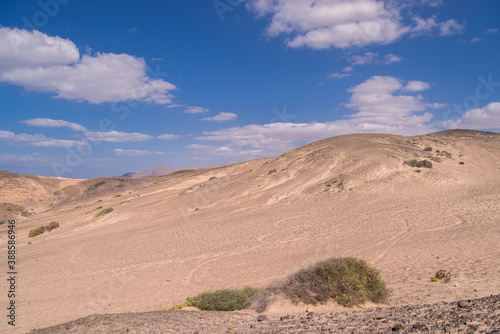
pixel 174 236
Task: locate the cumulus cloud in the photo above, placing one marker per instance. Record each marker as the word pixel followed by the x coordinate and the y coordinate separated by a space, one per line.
pixel 222 117
pixel 374 58
pixel 131 153
pixel 54 123
pixel 195 110
pixel 487 117
pixel 36 140
pixel 227 152
pixel 167 136
pixel 42 63
pixel 321 24
pixel 417 86
pixel 116 136
pixel 451 27
pixel 337 75
pixel 380 106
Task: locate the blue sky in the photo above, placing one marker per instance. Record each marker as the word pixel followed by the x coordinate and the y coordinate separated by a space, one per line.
pixel 93 88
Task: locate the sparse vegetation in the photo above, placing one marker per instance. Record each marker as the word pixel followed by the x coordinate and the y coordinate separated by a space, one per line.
pixel 443 275
pixel 419 163
pixel 212 178
pixel 51 226
pixel 36 231
pixel 272 171
pixel 428 148
pixel 348 281
pixel 461 163
pixel 220 300
pixel 117 195
pixel 2 222
pixel 284 169
pixel 98 208
pixel 41 229
pixel 254 177
pixel 445 154
pixel 124 202
pixel 103 212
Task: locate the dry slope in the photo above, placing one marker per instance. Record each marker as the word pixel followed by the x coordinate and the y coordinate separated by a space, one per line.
pixel 247 224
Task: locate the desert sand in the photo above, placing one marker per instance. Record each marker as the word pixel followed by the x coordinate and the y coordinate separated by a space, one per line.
pixel 174 236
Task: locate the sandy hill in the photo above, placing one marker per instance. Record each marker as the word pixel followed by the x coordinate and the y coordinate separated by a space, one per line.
pixel 177 235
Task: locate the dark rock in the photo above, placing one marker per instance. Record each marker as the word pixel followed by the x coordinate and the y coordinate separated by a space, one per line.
pixel 419 326
pixel 272 171
pixel 262 317
pixel 463 304
pixel 397 328
pixel 285 317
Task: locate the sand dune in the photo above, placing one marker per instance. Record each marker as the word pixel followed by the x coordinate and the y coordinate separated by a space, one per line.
pixel 174 236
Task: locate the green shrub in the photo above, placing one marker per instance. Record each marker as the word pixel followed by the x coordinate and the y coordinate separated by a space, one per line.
pixel 103 212
pixel 124 202
pixel 348 281
pixel 36 231
pixel 220 300
pixel 462 163
pixel 212 178
pixel 428 148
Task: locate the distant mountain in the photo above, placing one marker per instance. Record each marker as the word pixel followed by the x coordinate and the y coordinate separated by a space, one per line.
pixel 157 171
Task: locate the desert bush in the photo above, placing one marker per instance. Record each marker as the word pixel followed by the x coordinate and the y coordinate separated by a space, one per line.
pixel 348 281
pixel 445 154
pixel 212 178
pixel 36 231
pixel 103 212
pixel 124 202
pixel 428 148
pixel 419 163
pixel 51 226
pixel 441 275
pixel 220 300
pixel 462 163
pixel 2 222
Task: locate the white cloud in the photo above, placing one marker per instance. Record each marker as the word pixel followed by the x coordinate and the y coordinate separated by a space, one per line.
pixel 36 140
pixel 195 110
pixel 116 137
pixel 374 58
pixel 337 75
pixel 167 136
pixel 451 27
pixel 380 107
pixel 24 159
pixel 227 152
pixel 424 26
pixel 487 117
pixel 348 69
pixel 475 40
pixel 417 86
pixel 222 117
pixel 367 58
pixel 492 31
pixel 131 153
pixel 42 63
pixel 321 24
pixel 391 58
pixel 54 123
